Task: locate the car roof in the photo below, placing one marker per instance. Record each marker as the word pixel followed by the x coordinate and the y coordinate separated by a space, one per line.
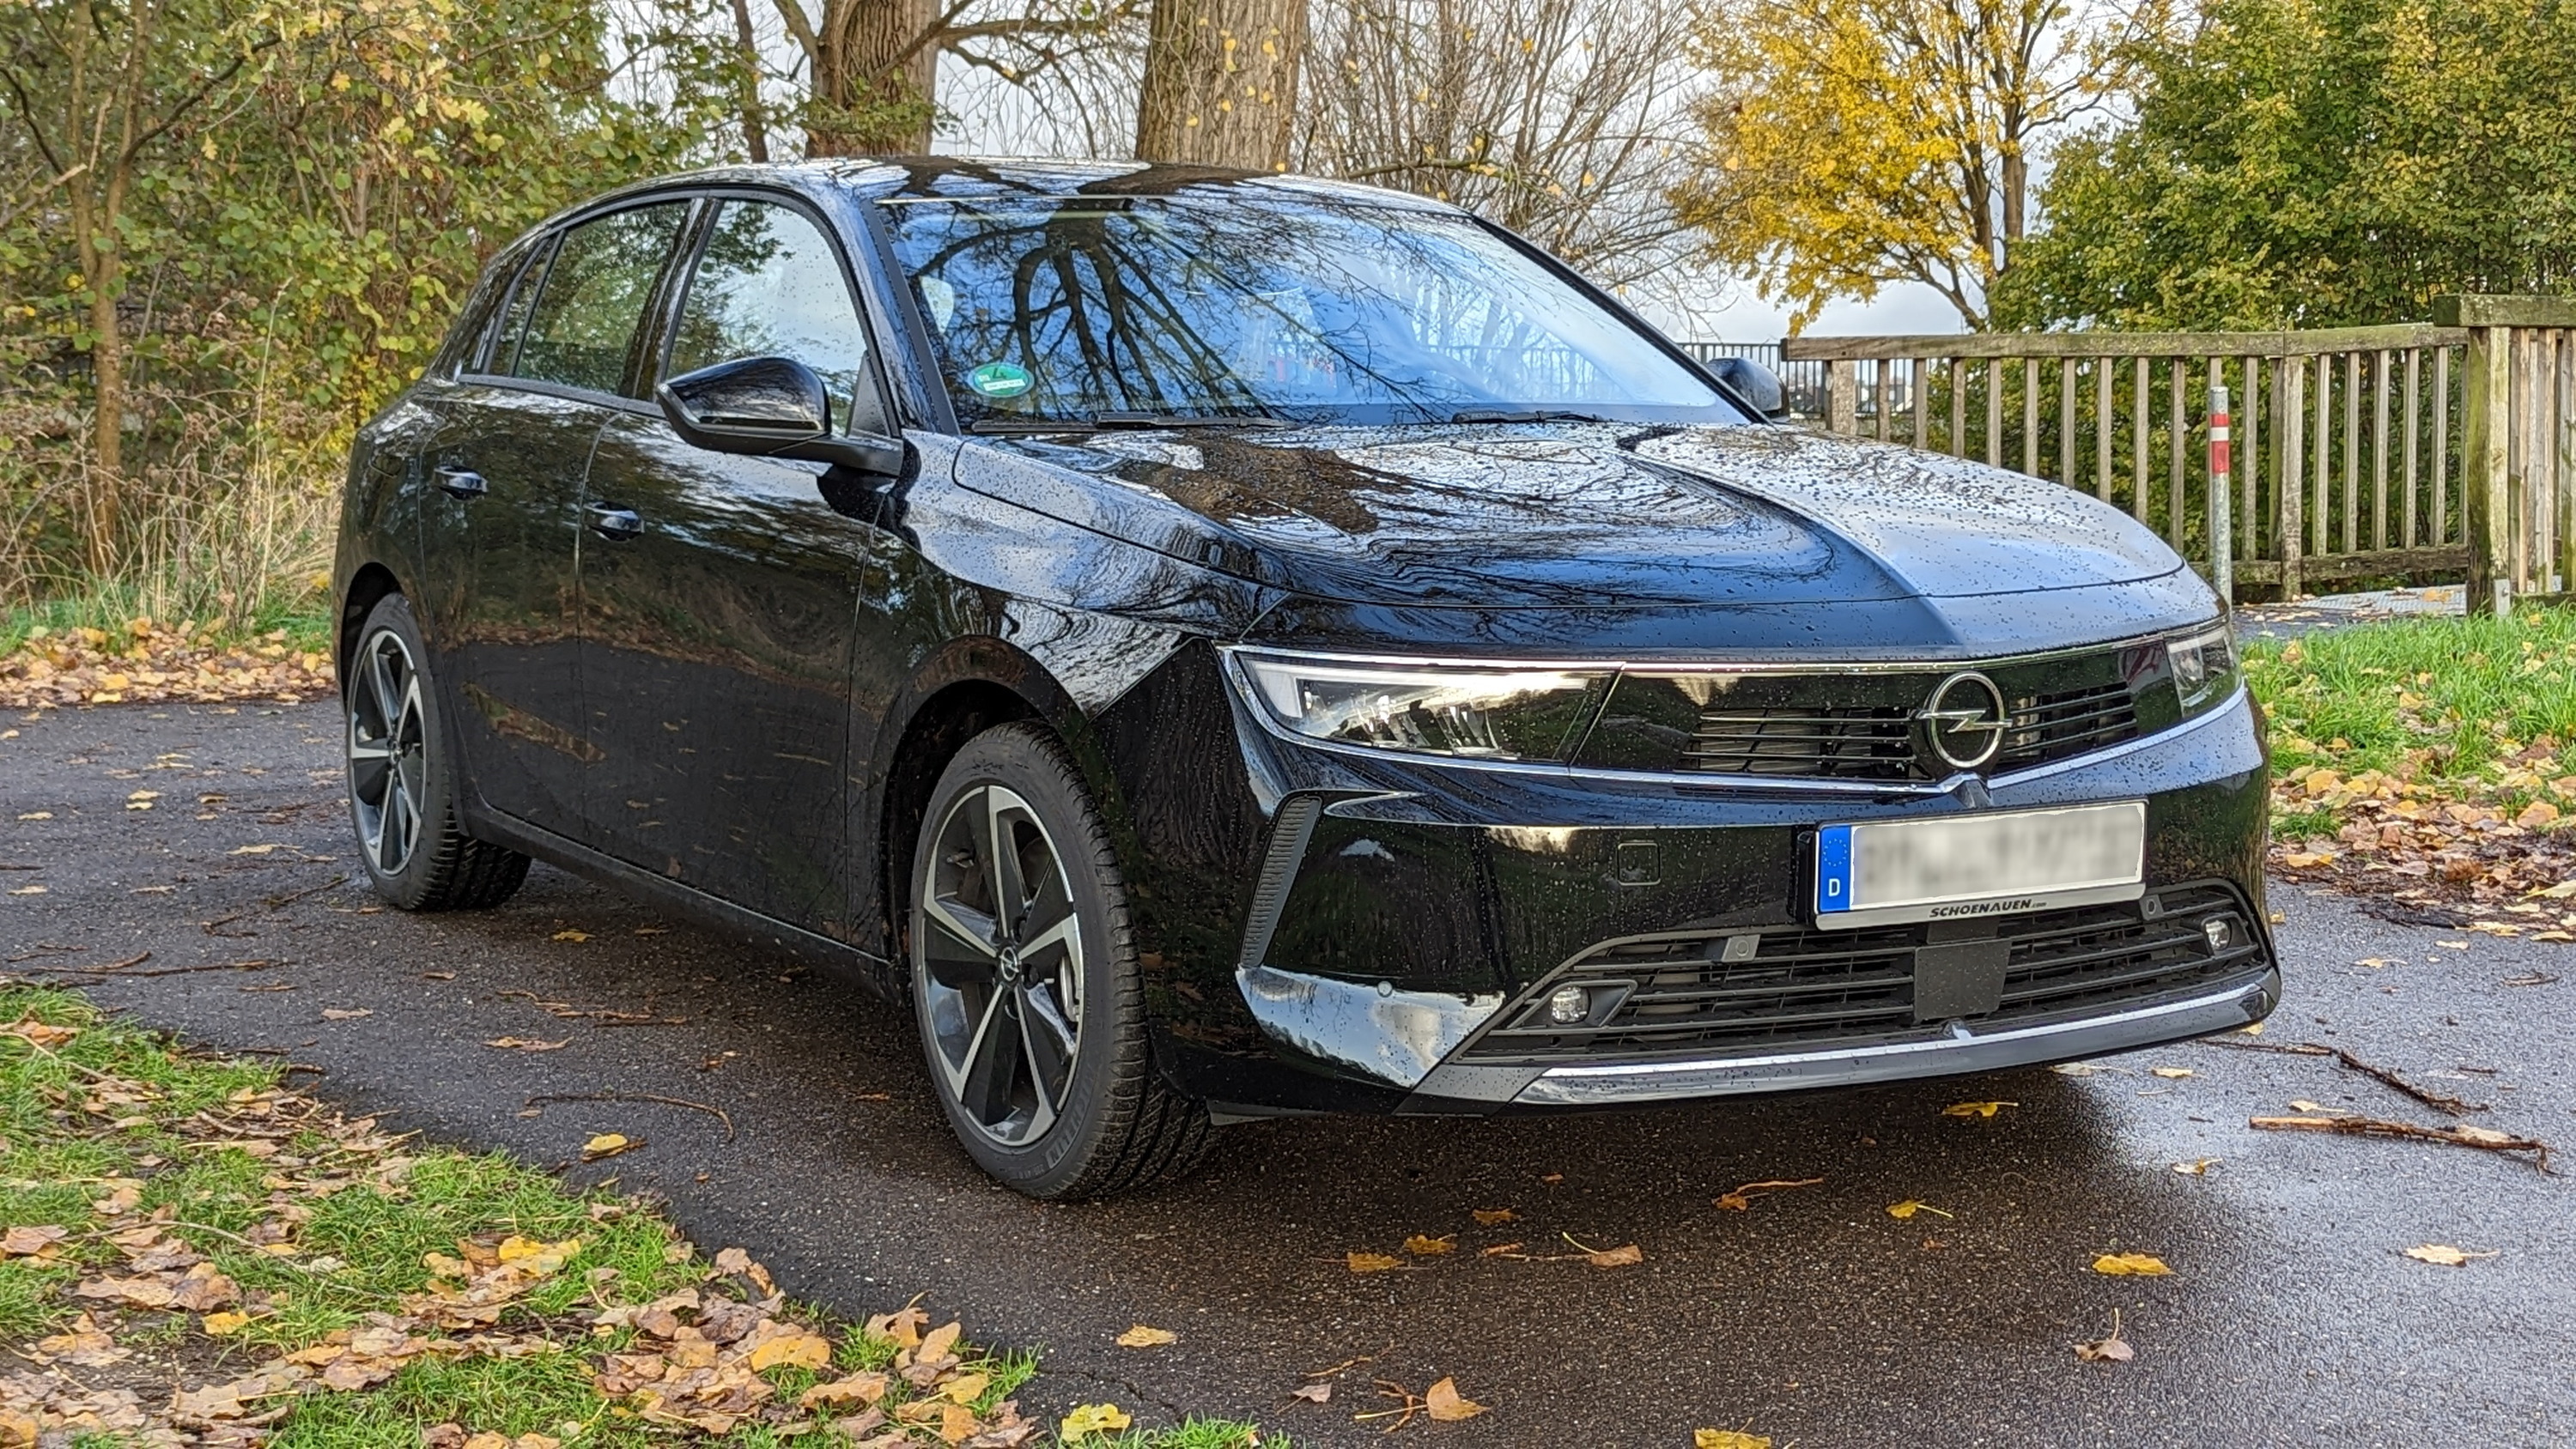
pixel 965 178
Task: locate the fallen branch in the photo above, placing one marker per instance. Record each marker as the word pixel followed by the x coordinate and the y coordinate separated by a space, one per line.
pixel 716 1112
pixel 2437 1100
pixel 279 903
pixel 2481 1138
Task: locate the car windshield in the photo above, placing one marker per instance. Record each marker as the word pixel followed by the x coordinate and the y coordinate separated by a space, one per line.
pixel 1235 305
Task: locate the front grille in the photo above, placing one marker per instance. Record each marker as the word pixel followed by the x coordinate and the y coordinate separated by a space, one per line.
pixel 1798 987
pixel 2055 726
pixel 1851 744
pixel 1860 724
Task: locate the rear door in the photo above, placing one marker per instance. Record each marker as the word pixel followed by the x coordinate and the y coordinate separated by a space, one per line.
pixel 503 533
pixel 717 639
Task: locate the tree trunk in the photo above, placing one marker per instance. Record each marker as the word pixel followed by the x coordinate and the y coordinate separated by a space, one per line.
pixel 755 127
pixel 876 65
pixel 1221 82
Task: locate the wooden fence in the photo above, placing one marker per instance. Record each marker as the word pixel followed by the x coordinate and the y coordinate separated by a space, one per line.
pixel 2415 450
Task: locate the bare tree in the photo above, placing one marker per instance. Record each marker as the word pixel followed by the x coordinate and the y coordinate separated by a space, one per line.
pixel 1561 119
pixel 1220 83
pixel 872 66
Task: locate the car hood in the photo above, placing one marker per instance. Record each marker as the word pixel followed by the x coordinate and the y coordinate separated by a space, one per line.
pixel 1585 516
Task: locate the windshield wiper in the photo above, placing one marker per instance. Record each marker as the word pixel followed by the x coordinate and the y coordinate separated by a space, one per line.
pixel 1106 422
pixel 1523 415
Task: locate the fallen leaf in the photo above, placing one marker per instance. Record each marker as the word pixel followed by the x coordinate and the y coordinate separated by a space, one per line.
pixel 608 1144
pixel 2251 1028
pixel 1488 1217
pixel 1446 1405
pixel 28 890
pixel 2131 1265
pixel 571 936
pixel 1908 1208
pixel 859 1388
pixel 2197 1167
pixel 1142 1337
pixel 253 849
pixel 1093 1419
pixel 1425 1247
pixel 1623 1257
pixel 84 1344
pixel 1728 1439
pixel 795 1350
pixel 1313 1393
pixel 2443 1255
pixel 1975 1109
pixel 1371 1262
pixel 28 1242
pixel 2111 1348
pixel 2375 963
pixel 228 1321
pixel 335 1013
pixel 527 1044
pixel 2172 1073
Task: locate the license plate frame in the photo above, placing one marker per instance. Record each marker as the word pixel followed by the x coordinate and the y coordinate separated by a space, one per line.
pixel 1875 872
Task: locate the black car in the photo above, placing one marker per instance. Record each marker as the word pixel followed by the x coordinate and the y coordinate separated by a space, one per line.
pixel 1228 645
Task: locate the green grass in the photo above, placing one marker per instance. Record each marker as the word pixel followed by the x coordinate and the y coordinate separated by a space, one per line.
pixel 304 615
pixel 2480 708
pixel 63 1145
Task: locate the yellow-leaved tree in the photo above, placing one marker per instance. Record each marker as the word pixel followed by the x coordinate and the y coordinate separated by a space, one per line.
pixel 1848 144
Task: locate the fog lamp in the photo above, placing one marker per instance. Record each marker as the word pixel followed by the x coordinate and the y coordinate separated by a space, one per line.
pixel 2221 933
pixel 1567 1005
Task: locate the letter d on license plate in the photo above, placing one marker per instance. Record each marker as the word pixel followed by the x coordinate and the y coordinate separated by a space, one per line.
pixel 1979 865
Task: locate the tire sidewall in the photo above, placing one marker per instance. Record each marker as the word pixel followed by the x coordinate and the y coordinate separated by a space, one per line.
pixel 410 887
pixel 1024 761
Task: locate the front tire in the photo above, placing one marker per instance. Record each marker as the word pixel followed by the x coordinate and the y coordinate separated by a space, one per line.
pixel 402 787
pixel 1025 984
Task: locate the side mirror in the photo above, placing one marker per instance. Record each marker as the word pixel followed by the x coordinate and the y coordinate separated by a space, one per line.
pixel 1756 384
pixel 769 407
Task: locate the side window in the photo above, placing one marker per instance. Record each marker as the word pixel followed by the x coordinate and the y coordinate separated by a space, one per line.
pixel 503 348
pixel 770 285
pixel 583 322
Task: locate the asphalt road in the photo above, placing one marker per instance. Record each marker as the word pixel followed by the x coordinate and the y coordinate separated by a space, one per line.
pixel 1815 1317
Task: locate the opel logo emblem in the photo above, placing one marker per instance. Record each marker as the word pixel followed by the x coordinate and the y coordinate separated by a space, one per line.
pixel 1964 722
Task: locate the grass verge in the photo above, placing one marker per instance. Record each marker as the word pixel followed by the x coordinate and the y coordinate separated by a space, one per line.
pixel 2440 752
pixel 192 1254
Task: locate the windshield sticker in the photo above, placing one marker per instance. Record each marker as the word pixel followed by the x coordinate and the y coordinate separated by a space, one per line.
pixel 999 379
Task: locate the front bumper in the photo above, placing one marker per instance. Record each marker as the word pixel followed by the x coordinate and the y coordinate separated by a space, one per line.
pixel 1391 915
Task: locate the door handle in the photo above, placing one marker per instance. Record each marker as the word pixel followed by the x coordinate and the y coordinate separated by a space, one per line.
pixel 461 482
pixel 609 521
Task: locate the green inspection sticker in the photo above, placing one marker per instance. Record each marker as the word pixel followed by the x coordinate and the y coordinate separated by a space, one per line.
pixel 999 379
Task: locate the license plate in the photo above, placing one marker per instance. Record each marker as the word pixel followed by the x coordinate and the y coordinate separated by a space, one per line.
pixel 1959 866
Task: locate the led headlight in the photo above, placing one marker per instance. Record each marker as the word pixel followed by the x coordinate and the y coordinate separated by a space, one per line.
pixel 2204 668
pixel 1458 709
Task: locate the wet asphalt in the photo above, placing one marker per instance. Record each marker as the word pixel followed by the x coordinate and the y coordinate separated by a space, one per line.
pixel 2291 1316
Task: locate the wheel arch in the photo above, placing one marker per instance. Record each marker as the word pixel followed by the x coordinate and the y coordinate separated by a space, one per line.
pixel 369 586
pixel 973 685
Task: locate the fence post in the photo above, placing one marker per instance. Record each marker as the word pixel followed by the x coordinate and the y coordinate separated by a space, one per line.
pixel 2222 512
pixel 2289 454
pixel 2486 497
pixel 1842 396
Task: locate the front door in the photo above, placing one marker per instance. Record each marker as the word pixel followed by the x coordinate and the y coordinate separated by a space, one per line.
pixel 717 636
pixel 507 468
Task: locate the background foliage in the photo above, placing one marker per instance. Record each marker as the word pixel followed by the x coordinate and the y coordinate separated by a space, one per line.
pixel 2318 163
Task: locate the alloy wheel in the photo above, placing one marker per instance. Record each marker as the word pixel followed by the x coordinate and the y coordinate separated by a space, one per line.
pixel 999 961
pixel 388 751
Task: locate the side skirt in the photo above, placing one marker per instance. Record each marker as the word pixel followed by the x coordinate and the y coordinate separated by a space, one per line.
pixel 723 917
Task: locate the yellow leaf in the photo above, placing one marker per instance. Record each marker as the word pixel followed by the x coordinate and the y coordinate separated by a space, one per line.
pixel 607 1144
pixel 1728 1439
pixel 1093 1419
pixel 966 1388
pixel 861 1388
pixel 219 1324
pixel 572 935
pixel 1371 1262
pixel 1444 1403
pixel 957 1423
pixel 1975 1109
pixel 2443 1255
pixel 1488 1217
pixel 1908 1208
pixel 1142 1337
pixel 1423 1247
pixel 2132 1265
pixel 795 1350
pixel 2197 1167
pixel 2172 1073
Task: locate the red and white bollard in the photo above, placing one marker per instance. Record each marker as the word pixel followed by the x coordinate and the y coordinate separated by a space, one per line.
pixel 2222 544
